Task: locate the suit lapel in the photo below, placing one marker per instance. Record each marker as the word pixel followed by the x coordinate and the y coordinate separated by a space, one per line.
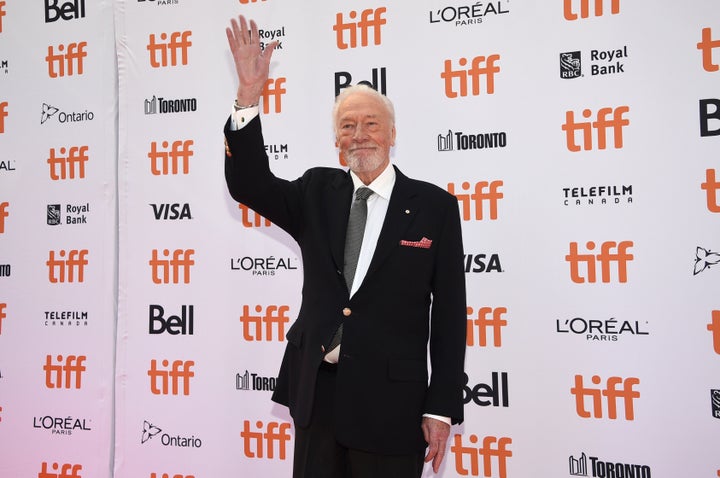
pixel 338 207
pixel 400 214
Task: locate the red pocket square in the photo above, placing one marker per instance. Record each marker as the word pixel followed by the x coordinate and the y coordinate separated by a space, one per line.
pixel 423 243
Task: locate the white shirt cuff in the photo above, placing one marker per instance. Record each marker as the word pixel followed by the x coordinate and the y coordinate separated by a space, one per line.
pixel 240 118
pixel 438 417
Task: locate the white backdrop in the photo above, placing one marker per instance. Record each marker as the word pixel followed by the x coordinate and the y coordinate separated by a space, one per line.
pixel 581 138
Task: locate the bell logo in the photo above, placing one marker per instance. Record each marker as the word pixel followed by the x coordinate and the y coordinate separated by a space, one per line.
pixel 611 392
pixel 3 315
pixel 487 318
pixel 60 471
pixel 164 162
pixel 273 89
pixel 274 318
pixel 368 19
pixel 492 447
pixel 480 66
pixel 261 444
pixel 3 115
pixel 706 46
pixel 484 193
pixel 66 64
pixel 71 269
pixel 711 186
pixel 69 164
pixel 713 327
pixel 585 8
pixel 169 270
pixel 71 9
pixel 705 116
pixel 179 41
pixel 378 80
pixel 605 258
pixel 64 375
pixel 3 214
pixel 601 125
pixel 160 380
pixel 252 219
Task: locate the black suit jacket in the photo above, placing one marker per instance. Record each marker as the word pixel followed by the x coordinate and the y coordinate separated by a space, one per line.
pixel 409 297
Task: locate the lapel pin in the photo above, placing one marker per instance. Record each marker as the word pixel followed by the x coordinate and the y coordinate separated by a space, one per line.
pixel 407 211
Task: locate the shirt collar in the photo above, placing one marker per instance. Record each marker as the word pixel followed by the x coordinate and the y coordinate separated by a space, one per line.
pixel 383 184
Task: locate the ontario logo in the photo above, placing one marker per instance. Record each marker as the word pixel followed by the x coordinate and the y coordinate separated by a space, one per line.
pixel 704 259
pixel 150 431
pixel 52 112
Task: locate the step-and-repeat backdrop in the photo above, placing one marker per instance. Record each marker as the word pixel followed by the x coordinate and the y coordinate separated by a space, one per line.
pixel 143 312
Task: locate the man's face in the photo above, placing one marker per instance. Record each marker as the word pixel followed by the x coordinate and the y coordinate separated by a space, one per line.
pixel 364 134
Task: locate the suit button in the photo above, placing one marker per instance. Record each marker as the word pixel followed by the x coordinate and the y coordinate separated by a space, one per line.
pixel 347 311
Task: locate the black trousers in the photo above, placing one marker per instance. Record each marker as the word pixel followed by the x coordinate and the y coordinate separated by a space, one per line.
pixel 318 455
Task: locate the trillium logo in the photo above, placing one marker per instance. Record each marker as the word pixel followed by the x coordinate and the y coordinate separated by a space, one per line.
pixel 149 431
pixel 704 258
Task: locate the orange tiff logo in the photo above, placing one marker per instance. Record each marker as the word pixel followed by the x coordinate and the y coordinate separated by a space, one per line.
pixel 484 194
pixel 706 46
pixel 481 66
pixel 369 19
pixel 570 13
pixel 274 318
pixel 606 257
pixel 713 327
pixel 487 319
pixel 610 392
pixel 174 161
pixel 172 267
pixel 274 91
pixel 64 374
pixel 252 219
pixel 3 115
pixel 263 442
pixel 3 314
pixel 170 379
pixel 69 163
pixel 66 63
pixel 65 470
pixel 179 43
pixel 711 186
pixel 2 14
pixel 3 214
pixel 67 266
pixel 492 447
pixel 601 125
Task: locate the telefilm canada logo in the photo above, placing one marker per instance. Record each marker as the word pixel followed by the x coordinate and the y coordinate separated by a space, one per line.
pixel 250 381
pixel 604 469
pixel 618 194
pixel 50 112
pixel 151 431
pixel 704 259
pixel 602 62
pixel 277 151
pixel 471 14
pixel 65 318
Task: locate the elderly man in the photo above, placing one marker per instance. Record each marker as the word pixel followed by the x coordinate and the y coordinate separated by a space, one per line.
pixel 383 284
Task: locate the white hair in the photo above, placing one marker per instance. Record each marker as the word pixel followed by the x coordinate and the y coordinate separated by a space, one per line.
pixel 365 89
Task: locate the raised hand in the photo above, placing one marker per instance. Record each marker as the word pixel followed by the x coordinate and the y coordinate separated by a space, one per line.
pixel 251 62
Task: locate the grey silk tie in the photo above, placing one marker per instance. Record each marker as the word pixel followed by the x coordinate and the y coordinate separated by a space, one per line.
pixel 353 241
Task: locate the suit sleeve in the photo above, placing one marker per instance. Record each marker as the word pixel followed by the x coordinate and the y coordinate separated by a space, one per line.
pixel 448 322
pixel 250 181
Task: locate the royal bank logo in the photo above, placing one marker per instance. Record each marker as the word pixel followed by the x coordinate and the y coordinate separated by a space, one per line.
pixel 570 65
pixel 151 431
pixel 271 35
pixel 250 381
pixel 704 259
pixel 471 14
pixel 68 214
pixel 715 403
pixel 162 105
pixel 50 112
pixel 264 266
pixel 460 141
pixel 602 469
pixel 595 330
pixel 620 194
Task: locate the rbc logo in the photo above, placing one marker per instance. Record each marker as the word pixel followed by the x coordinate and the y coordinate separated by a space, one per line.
pixel 570 13
pixel 369 19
